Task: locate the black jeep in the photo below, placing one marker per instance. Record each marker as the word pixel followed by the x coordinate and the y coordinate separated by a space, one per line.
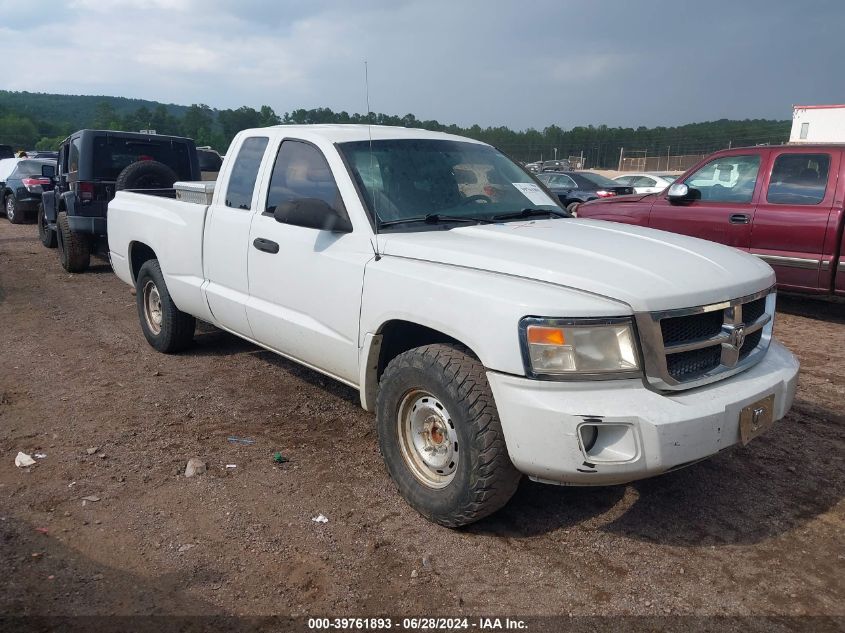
pixel 92 165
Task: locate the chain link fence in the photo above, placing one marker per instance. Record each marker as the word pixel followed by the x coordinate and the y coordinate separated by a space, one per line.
pixel 639 161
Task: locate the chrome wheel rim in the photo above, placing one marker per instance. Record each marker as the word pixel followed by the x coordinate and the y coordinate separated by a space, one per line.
pixel 427 439
pixel 152 307
pixel 10 208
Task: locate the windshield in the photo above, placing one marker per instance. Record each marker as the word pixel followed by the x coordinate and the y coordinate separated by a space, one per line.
pixel 411 178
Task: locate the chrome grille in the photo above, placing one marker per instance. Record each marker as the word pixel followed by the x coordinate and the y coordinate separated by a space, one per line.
pixel 693 346
pixel 691 328
pixel 690 365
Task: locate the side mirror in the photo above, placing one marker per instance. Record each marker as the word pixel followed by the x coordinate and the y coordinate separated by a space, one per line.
pixel 678 192
pixel 48 171
pixel 313 213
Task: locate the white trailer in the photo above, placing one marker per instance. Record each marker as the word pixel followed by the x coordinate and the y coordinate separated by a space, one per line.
pixel 818 124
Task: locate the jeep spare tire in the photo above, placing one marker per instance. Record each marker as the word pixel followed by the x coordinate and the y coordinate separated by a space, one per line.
pixel 146 174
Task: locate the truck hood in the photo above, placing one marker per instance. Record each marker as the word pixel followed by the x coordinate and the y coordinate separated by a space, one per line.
pixel 647 269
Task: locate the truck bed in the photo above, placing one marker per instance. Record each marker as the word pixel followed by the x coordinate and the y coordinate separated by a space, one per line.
pixel 173 230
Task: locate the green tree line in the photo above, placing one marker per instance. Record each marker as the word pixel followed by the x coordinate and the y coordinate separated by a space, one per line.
pixel 29 120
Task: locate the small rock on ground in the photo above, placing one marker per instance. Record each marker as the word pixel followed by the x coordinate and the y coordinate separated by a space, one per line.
pixel 195 467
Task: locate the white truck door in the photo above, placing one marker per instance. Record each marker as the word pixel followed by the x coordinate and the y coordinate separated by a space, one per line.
pixel 226 236
pixel 305 283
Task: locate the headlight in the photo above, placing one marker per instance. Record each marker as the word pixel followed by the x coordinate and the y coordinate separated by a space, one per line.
pixel 561 347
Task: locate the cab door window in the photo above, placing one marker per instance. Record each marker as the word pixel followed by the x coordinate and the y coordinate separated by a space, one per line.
pixel 725 179
pixel 799 179
pixel 301 171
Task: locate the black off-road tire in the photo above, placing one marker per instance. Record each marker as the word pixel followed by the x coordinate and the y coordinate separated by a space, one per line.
pixel 45 233
pixel 74 248
pixel 484 479
pixel 13 212
pixel 146 174
pixel 176 328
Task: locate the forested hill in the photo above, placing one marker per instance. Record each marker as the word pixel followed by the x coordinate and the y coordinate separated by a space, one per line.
pixel 74 110
pixel 40 120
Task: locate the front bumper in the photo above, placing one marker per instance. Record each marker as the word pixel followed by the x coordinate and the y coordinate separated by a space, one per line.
pixel 657 432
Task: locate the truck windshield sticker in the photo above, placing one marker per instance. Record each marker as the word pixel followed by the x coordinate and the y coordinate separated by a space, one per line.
pixel 533 193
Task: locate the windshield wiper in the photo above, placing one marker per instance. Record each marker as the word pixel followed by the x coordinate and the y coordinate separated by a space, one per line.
pixel 527 213
pixel 436 218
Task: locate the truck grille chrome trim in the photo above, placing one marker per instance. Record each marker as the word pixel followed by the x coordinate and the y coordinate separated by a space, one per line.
pixel 691 347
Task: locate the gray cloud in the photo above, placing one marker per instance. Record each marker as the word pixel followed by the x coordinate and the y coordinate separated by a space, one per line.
pixel 494 63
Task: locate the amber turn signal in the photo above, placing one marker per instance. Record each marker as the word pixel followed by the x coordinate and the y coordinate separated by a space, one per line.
pixel 540 335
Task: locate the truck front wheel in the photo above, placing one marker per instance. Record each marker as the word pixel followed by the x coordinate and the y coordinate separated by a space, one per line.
pixel 440 435
pixel 74 248
pixel 165 327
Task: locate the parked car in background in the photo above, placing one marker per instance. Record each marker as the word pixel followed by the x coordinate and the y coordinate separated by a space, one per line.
pixel 6 167
pixel 534 168
pixel 6 151
pixel 493 336
pixel 40 153
pixel 781 203
pixel 575 187
pixel 22 188
pixel 646 183
pixel 556 165
pixel 92 165
pixel 210 162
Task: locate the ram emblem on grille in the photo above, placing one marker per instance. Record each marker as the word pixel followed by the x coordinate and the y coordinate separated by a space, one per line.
pixel 730 355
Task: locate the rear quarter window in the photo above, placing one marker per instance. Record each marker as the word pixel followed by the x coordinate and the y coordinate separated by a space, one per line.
pixel 799 179
pixel 245 172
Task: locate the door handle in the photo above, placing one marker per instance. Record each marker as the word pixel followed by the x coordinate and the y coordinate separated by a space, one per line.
pixel 268 246
pixel 740 218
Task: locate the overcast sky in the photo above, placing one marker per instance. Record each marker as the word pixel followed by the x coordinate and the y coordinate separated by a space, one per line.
pixel 520 64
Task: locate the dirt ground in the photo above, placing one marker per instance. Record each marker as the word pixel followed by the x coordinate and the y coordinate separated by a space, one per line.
pixel 753 531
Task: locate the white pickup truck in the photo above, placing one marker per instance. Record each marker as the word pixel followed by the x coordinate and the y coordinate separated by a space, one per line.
pixel 492 334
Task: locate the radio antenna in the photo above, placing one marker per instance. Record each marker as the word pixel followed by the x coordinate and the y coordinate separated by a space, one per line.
pixel 372 158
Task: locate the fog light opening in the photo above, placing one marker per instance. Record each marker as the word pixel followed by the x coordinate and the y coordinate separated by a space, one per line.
pixel 609 442
pixel 589 433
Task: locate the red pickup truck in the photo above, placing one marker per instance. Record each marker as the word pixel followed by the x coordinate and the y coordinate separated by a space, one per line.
pixel 781 203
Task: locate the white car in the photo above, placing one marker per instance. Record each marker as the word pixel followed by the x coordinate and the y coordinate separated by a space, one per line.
pixel 7 166
pixel 647 183
pixel 491 334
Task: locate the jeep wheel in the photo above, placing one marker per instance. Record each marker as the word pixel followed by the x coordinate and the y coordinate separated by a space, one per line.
pixel 572 207
pixel 440 435
pixel 45 233
pixel 74 248
pixel 165 327
pixel 13 213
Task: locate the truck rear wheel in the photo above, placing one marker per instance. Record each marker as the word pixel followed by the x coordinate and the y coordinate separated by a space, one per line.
pixel 440 435
pixel 45 233
pixel 165 327
pixel 74 248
